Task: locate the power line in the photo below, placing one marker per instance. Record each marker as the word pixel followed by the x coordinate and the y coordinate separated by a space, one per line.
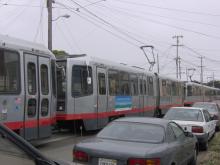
pixel 119 9
pixel 100 27
pixel 40 21
pixel 109 24
pixel 17 15
pixel 169 9
pixel 174 26
pixel 126 14
pixel 199 54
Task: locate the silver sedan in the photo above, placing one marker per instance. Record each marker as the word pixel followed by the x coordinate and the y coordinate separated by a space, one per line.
pixel 138 141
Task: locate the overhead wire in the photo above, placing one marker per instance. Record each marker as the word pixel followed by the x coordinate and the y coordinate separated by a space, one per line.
pixel 167 8
pixel 100 27
pixel 109 24
pixel 64 35
pixel 129 11
pixel 13 20
pixel 174 26
pixel 40 21
pixel 126 14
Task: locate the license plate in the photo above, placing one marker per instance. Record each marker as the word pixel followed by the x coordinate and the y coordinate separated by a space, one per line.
pixel 103 161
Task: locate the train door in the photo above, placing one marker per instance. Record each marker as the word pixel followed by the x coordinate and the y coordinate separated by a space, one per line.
pixel 141 95
pixel 44 114
pixel 151 94
pixel 37 96
pixel 147 108
pixel 134 93
pixel 101 96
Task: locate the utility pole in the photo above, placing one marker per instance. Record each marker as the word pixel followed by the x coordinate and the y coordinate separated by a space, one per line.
pixel 201 66
pixel 49 8
pixel 187 75
pixel 158 65
pixel 178 72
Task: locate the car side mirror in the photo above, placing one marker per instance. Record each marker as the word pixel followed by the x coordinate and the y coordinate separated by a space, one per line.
pixel 188 134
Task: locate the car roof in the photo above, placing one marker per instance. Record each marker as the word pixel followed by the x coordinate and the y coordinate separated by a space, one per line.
pixel 211 103
pixel 198 108
pixel 145 120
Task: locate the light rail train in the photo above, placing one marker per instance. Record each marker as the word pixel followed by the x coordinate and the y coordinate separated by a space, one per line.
pixel 38 91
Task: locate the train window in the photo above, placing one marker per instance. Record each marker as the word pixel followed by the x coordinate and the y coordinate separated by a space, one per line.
pixel 164 88
pixel 189 90
pixel 102 84
pixel 9 72
pixel 124 84
pixel 141 86
pixel 145 87
pixel 150 86
pixel 113 77
pixel 174 89
pixel 53 72
pixel 168 89
pixel 44 107
pixel 134 84
pixel 31 110
pixel 80 85
pixel 44 79
pixel 32 87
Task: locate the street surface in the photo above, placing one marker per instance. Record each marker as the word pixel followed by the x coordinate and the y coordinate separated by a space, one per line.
pixel 60 147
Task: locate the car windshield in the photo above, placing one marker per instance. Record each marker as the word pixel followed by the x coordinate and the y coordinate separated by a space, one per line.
pixel 184 114
pixel 210 107
pixel 137 132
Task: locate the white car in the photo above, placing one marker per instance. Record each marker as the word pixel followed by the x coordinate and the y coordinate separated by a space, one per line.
pixel 195 120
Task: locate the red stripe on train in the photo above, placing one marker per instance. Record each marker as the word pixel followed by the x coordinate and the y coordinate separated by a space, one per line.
pixel 29 124
pixel 101 114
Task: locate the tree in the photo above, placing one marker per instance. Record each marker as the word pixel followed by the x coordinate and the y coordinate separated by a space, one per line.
pixel 60 53
pixel 216 84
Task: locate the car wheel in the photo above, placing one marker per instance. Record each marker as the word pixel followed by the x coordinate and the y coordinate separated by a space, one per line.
pixel 194 159
pixel 217 128
pixel 205 146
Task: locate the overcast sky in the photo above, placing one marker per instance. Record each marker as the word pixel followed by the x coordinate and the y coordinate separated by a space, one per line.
pixel 115 29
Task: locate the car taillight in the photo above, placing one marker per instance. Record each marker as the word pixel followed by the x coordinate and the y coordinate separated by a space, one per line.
pixel 197 129
pixel 144 162
pixel 80 156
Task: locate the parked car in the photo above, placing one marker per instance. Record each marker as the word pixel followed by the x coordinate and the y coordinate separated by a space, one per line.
pixel 15 150
pixel 138 141
pixel 213 109
pixel 195 120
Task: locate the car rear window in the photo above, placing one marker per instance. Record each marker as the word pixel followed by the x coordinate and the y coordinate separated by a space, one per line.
pixel 184 114
pixel 137 132
pixel 210 107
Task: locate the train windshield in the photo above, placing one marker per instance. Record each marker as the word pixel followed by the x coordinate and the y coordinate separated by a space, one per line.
pixel 81 81
pixel 61 79
pixel 9 72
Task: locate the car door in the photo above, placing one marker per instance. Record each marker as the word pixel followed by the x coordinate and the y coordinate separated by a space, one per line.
pixel 210 123
pixel 184 147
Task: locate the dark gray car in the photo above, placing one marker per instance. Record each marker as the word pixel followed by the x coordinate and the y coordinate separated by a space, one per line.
pixel 213 109
pixel 138 141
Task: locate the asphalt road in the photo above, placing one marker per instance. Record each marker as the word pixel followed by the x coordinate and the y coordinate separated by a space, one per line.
pixel 60 146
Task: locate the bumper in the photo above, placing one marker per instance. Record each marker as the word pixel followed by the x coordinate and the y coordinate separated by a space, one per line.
pixel 202 138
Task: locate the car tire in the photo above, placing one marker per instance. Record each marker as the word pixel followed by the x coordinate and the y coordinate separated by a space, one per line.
pixel 194 159
pixel 205 146
pixel 217 128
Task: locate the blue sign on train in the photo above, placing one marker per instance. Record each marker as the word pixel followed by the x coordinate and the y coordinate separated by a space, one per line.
pixel 123 103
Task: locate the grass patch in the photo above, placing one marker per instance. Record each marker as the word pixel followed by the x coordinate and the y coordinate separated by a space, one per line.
pixel 213 154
